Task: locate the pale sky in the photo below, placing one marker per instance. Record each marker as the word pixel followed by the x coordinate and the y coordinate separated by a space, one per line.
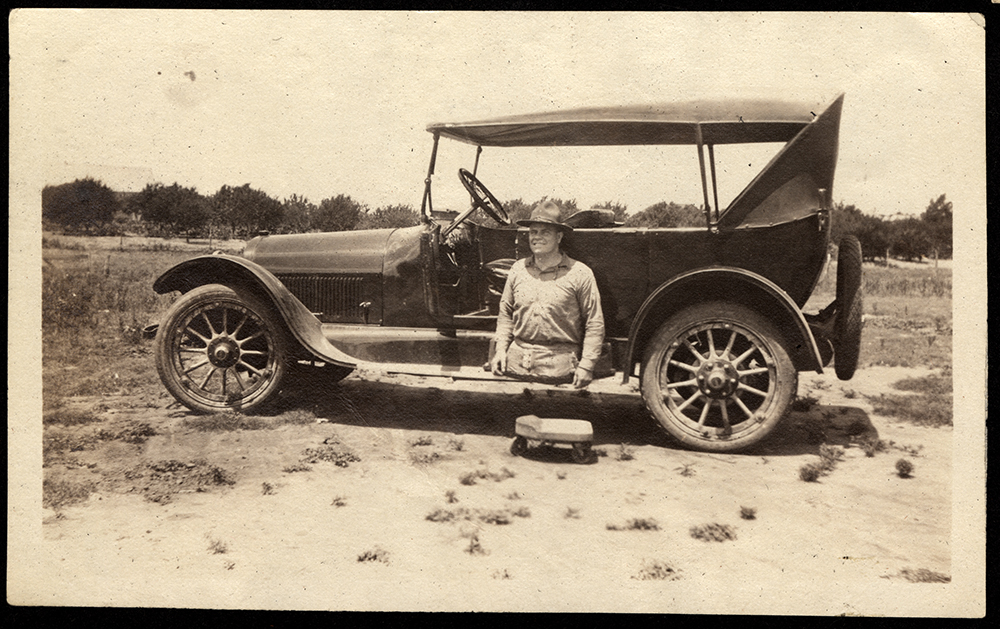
pixel 324 103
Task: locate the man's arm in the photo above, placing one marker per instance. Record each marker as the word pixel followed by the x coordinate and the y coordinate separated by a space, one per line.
pixel 505 327
pixel 589 298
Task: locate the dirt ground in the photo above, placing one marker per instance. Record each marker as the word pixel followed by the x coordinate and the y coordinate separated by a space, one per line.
pixel 399 492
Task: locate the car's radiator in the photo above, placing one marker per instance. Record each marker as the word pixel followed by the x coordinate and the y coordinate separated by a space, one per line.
pixel 333 298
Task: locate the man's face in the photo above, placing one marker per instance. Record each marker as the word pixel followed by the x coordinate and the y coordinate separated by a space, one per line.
pixel 544 239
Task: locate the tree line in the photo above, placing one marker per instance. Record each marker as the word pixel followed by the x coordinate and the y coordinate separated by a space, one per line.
pixel 89 206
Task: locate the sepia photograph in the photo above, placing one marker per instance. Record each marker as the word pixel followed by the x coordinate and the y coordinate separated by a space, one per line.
pixel 658 312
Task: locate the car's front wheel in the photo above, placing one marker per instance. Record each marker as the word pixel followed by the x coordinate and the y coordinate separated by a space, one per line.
pixel 218 349
pixel 717 377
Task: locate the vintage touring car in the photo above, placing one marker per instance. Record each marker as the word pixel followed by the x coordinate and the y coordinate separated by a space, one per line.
pixel 710 320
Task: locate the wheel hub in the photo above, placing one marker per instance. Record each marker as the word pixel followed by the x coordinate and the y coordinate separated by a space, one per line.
pixel 718 379
pixel 223 352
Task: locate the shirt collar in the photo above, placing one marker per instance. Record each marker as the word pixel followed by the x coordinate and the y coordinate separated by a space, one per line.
pixel 562 264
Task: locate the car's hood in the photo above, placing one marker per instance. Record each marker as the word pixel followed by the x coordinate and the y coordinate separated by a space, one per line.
pixel 349 252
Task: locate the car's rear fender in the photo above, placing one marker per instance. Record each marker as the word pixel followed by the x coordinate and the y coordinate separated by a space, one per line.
pixel 724 284
pixel 240 273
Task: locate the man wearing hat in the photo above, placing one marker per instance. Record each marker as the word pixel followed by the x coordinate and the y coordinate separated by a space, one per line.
pixel 550 327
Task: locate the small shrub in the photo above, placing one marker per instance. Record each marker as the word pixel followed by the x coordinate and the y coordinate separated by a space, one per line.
pixel 376 554
pixel 296 467
pixel 904 468
pixel 872 445
pixel 849 394
pixel 748 513
pixel 601 452
pixel 561 475
pixel 572 514
pixel 470 478
pixel 657 571
pixel 450 496
pixel 713 532
pixel 423 440
pixel 424 458
pixel 339 501
pixel 331 453
pixel 496 517
pixel 59 493
pixel 685 470
pixel 456 444
pixel 267 488
pixel 513 496
pixel 810 472
pixel 521 512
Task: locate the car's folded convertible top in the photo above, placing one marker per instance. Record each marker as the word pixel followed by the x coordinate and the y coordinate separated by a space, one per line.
pixel 719 121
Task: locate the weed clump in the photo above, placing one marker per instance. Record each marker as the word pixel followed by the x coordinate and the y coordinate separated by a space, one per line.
pixel 904 468
pixel 331 453
pixel 339 501
pixel 296 467
pixel 636 524
pixel 470 478
pixel 267 488
pixel 69 417
pixel 657 571
pixel 625 452
pixel 810 472
pixel 61 493
pixel 376 554
pixel 748 513
pixel 423 440
pixel 713 532
pixel 489 516
pixel 923 575
pixel 217 547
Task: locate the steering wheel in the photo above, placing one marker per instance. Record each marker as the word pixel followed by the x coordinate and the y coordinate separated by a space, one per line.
pixel 483 198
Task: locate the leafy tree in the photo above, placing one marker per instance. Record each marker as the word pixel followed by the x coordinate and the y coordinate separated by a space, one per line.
pixel 908 239
pixel 665 214
pixel 173 208
pixel 246 210
pixel 85 203
pixel 937 219
pixel 615 207
pixel 389 216
pixel 297 214
pixel 339 213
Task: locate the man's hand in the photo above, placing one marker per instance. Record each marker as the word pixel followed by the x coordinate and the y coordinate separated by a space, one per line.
pixel 499 363
pixel 582 377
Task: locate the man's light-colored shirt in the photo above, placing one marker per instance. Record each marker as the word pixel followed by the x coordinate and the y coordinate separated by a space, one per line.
pixel 556 305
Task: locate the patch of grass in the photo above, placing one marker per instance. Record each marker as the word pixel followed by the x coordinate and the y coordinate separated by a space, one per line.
pixel 489 516
pixel 63 493
pixel 625 452
pixel 267 489
pixel 923 575
pixel 713 532
pixel 450 496
pixel 804 403
pixel 810 472
pixel 69 417
pixel 470 478
pixel 334 453
pixel 232 420
pixel 904 468
pixel 475 547
pixel 656 570
pixel 376 554
pixel 635 524
pixel 339 501
pixel 217 546
pixel 133 432
pixel 685 470
pixel 424 458
pixel 296 467
pixel 501 574
pixel 456 444
pixel 872 445
pixel 922 410
pixel 829 456
pixel 423 440
pixel 748 513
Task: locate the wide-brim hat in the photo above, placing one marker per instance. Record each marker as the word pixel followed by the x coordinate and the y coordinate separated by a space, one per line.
pixel 547 212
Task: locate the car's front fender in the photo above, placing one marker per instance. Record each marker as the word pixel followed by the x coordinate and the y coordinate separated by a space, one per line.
pixel 727 284
pixel 239 272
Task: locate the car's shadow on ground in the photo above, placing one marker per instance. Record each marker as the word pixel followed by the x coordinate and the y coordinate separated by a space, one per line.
pixel 616 418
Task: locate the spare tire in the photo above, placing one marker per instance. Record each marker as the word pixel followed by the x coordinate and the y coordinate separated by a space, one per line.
pixel 847 327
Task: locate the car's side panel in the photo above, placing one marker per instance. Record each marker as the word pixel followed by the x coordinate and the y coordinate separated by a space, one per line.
pixel 239 272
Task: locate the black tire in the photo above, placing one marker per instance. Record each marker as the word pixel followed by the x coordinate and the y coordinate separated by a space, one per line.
pixel 717 377
pixel 519 446
pixel 221 350
pixel 847 326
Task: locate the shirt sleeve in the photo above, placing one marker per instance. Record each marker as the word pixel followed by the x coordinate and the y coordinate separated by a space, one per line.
pixel 590 309
pixel 505 318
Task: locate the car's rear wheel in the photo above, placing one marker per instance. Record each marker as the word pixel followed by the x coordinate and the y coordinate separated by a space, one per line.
pixel 218 349
pixel 717 377
pixel 847 327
